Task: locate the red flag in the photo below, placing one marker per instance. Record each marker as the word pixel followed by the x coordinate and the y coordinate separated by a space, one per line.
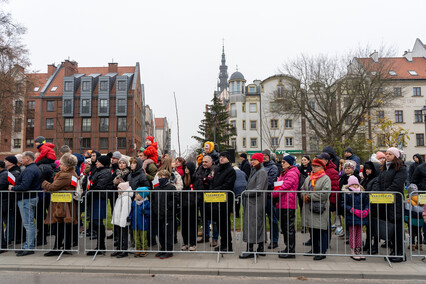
pixel 278 184
pixel 155 182
pixel 11 178
pixel 74 181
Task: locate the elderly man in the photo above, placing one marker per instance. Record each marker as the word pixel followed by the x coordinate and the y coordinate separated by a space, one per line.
pixel 29 180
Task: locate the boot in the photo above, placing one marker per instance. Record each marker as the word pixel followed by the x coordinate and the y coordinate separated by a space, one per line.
pixel 260 249
pixel 249 253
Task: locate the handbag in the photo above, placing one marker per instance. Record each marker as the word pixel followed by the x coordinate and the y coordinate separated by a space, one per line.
pixel 317 207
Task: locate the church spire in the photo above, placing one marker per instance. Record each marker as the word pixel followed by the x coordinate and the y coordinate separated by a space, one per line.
pixel 223 74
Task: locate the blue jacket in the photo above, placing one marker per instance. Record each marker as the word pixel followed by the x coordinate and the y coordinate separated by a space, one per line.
pixel 355 200
pixel 28 180
pixel 273 173
pixel 240 182
pixel 80 160
pixel 139 216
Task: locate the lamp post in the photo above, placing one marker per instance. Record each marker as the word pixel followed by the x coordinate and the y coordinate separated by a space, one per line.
pixel 213 113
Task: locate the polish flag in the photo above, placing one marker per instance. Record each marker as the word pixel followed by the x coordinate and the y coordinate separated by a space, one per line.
pixel 74 181
pixel 11 178
pixel 155 182
pixel 278 184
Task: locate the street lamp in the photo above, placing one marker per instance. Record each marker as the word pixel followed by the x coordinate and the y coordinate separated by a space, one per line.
pixel 424 116
pixel 213 113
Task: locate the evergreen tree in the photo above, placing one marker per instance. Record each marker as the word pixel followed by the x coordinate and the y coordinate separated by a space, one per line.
pixel 224 129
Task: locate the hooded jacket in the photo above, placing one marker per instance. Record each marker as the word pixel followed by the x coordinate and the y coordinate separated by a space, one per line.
pixel 46 151
pixel 334 158
pixel 189 197
pixel 415 165
pixel 137 178
pixel 331 172
pixel 123 206
pixel 355 200
pixel 151 152
pixel 368 178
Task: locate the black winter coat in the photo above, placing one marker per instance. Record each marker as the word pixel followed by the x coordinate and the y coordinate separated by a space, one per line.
pixel 163 204
pixel 28 180
pixel 15 171
pixel 224 177
pixel 137 178
pixel 4 188
pixel 419 177
pixel 188 197
pixel 245 167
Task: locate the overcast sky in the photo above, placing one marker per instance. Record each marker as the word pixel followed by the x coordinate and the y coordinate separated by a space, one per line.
pixel 179 43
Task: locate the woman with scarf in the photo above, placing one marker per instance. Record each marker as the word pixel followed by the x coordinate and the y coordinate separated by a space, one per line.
pixel 316 209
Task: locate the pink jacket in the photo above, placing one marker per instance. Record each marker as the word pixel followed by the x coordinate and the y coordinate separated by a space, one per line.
pixel 290 183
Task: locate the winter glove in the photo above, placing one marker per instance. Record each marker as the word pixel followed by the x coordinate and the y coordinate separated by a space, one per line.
pixel 365 213
pixel 357 212
pixel 307 198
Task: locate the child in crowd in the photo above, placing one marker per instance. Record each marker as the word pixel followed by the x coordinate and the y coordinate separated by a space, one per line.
pixel 151 149
pixel 139 217
pixel 356 206
pixel 121 212
pixel 416 216
pixel 47 154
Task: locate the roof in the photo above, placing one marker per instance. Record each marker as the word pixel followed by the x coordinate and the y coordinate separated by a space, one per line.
pixel 400 65
pixel 38 81
pixel 159 122
pixel 237 76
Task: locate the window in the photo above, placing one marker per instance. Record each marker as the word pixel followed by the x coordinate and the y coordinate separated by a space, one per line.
pixel 103 86
pixel 36 89
pixel 121 143
pixel 397 92
pixel 86 143
pixel 244 125
pixel 253 142
pixel 274 123
pixel 67 106
pixel 348 120
pixel 69 125
pixel 412 73
pixel 121 105
pixel 417 91
pixel 233 124
pixel 289 141
pixel 243 107
pixel 86 125
pixel 16 143
pixel 54 89
pixel 380 115
pixel 238 87
pixel 253 107
pixel 18 125
pixel 420 139
pixel 85 106
pixel 274 141
pixel 50 105
pixel 104 124
pixel 31 105
pixel 234 143
pixel 49 123
pixel 252 89
pixel 85 86
pixel 30 123
pixel 381 140
pixel 280 91
pixel 253 124
pixel 18 107
pixel 69 142
pixel 399 116
pixel 418 117
pixel 289 123
pixel 244 142
pixel 29 143
pixel 392 73
pixel 121 124
pixel 103 106
pixel 68 86
pixel 103 143
pixel 121 85
pixel 233 110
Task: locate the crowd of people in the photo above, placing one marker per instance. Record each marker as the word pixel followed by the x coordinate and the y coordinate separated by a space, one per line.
pixel 151 196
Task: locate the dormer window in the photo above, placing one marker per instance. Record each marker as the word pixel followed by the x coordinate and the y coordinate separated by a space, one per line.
pixel 67 86
pixel 85 86
pixel 412 73
pixel 36 89
pixel 103 86
pixel 53 89
pixel 121 85
pixel 392 73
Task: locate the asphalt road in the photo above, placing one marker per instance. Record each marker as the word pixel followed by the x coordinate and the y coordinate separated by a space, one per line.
pixel 73 278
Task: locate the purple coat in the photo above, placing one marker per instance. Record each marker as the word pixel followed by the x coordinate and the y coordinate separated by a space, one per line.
pixel 290 183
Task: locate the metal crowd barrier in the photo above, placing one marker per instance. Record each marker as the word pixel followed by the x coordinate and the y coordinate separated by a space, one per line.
pixel 174 219
pixel 40 221
pixel 416 225
pixel 379 225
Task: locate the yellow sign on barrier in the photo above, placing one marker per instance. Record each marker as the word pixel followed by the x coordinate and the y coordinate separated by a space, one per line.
pixel 421 199
pixel 382 198
pixel 61 197
pixel 215 197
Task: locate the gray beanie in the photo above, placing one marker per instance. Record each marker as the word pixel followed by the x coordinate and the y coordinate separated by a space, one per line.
pixel 117 155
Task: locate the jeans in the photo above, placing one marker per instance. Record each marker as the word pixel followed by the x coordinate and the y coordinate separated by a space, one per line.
pixel 27 208
pixel 272 214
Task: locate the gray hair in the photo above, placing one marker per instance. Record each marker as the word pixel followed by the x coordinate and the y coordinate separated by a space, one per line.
pixel 29 154
pixel 209 157
pixel 65 149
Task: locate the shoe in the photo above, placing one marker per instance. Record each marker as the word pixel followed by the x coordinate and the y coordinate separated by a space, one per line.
pixel 397 259
pixel 308 243
pixel 261 250
pixel 246 255
pixel 286 256
pixel 202 240
pixel 309 253
pixel 319 257
pixel 374 251
pixel 333 226
pixel 114 254
pixel 25 252
pixel 93 252
pixel 339 230
pixel 143 254
pixel 192 248
pixel 272 245
pixel 214 243
pixel 362 258
pixel 18 251
pixel 185 247
pixel 3 251
pixel 52 253
pixel 166 255
pixel 122 254
pixel 158 254
pixel 357 258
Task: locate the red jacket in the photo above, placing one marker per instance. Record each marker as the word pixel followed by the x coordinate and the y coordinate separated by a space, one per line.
pixel 331 172
pixel 151 152
pixel 46 151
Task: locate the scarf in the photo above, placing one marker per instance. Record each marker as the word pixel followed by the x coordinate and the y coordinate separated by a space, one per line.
pixel 314 176
pixel 284 171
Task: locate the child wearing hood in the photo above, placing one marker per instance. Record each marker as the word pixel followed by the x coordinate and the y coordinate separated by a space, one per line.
pixel 412 205
pixel 139 217
pixel 121 212
pixel 356 206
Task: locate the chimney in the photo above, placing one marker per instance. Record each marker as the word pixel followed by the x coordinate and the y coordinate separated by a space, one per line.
pixel 51 68
pixel 408 55
pixel 71 67
pixel 375 56
pixel 112 67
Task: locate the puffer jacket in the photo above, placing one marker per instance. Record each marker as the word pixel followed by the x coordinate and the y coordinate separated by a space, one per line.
pixel 152 152
pixel 331 172
pixel 137 178
pixel 356 200
pixel 290 180
pixel 46 151
pixel 122 208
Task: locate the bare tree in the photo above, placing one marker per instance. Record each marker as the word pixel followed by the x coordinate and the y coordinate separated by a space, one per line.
pixel 272 130
pixel 335 95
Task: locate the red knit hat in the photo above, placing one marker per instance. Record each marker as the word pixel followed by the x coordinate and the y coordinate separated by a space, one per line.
pixel 150 138
pixel 257 156
pixel 318 162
